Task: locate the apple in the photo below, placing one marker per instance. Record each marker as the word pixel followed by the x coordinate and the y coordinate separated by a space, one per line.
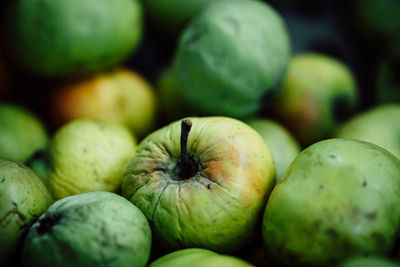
pixel 21 133
pixel 23 198
pixel 338 199
pixel 71 38
pixel 197 257
pixel 201 182
pixel 91 229
pixel 120 95
pixel 283 145
pixel 379 125
pixel 231 56
pixel 319 93
pixel 86 155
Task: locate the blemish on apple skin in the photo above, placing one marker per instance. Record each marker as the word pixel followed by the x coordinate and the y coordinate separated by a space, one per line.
pixel 364 183
pixel 209 186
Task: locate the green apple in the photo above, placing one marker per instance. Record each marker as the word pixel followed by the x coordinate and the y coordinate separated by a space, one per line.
pixel 120 95
pixel 90 229
pixel 283 145
pixel 197 257
pixel 339 198
pixel 202 182
pixel 74 37
pixel 87 155
pixel 172 15
pixel 231 56
pixel 21 133
pixel 379 125
pixel 369 262
pixel 23 198
pixel 319 92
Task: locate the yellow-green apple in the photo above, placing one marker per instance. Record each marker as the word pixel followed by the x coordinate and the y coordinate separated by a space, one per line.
pixel 231 57
pixel 379 125
pixel 339 198
pixel 90 229
pixel 318 93
pixel 283 145
pixel 120 95
pixel 86 155
pixel 197 257
pixel 21 133
pixel 202 182
pixel 23 198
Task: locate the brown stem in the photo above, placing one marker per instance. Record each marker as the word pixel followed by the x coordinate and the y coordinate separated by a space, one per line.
pixel 186 125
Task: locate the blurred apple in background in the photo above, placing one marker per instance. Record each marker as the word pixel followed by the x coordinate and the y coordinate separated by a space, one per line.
pixel 23 198
pixel 197 257
pixel 202 182
pixel 21 133
pixel 219 47
pixel 339 198
pixel 369 262
pixel 379 125
pixel 318 93
pixel 69 38
pixel 283 145
pixel 120 95
pixel 86 155
pixel 388 81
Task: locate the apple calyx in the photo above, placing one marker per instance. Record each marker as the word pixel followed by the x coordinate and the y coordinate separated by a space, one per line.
pixel 187 170
pixel 47 223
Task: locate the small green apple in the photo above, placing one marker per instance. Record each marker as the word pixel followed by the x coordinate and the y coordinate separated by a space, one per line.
pixel 202 182
pixel 231 56
pixel 338 199
pixel 88 155
pixel 120 95
pixel 23 198
pixel 74 37
pixel 21 133
pixel 90 229
pixel 197 257
pixel 283 145
pixel 319 92
pixel 380 126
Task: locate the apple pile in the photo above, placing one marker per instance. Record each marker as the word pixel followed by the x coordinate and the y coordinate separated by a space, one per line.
pixel 236 151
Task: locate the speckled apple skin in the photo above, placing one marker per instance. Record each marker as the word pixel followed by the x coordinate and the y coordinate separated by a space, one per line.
pixel 230 56
pixel 339 198
pixel 88 155
pixel 91 229
pixel 197 257
pixel 217 208
pixel 23 198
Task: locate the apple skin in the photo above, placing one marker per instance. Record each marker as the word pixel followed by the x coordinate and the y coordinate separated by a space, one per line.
pixel 220 46
pixel 218 207
pixel 21 133
pixel 197 257
pixel 318 94
pixel 120 95
pixel 91 229
pixel 283 145
pixel 88 155
pixel 338 199
pixel 23 198
pixel 379 125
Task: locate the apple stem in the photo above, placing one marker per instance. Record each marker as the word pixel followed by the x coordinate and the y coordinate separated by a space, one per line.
pixel 186 125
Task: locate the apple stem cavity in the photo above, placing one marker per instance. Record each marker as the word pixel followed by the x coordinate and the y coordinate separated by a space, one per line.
pixel 186 125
